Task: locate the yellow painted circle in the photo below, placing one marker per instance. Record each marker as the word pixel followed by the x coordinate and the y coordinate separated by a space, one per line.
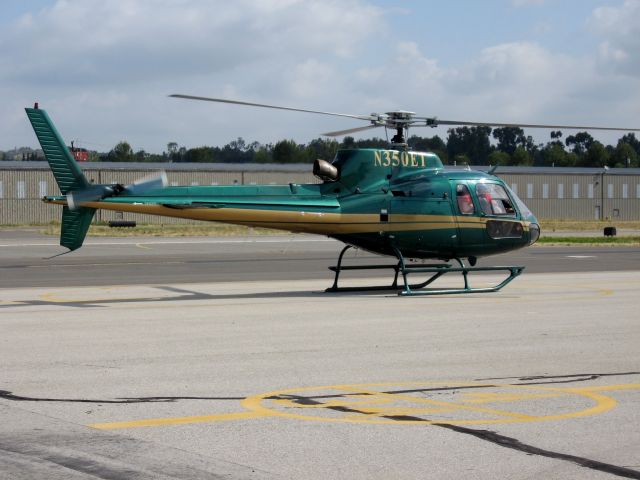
pixel 456 403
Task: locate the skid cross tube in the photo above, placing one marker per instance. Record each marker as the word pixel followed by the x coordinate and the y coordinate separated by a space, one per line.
pixel 436 270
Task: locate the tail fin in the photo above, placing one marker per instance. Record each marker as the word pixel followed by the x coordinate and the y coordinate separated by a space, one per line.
pixel 65 169
pixel 75 224
pixel 68 175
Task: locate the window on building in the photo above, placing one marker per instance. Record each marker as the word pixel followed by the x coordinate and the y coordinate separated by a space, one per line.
pixel 576 190
pixel 42 188
pixel 590 190
pixel 529 190
pixel 21 189
pixel 545 190
pixel 561 190
pixel 610 190
pixel 625 190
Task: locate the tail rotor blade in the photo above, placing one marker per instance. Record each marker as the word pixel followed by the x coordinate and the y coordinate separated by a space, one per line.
pixel 96 193
pixel 147 184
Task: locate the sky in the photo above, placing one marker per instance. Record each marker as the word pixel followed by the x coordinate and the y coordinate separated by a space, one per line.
pixel 104 70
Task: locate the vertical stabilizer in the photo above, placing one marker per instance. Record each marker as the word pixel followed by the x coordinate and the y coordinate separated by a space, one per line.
pixel 66 171
pixel 75 224
pixel 68 175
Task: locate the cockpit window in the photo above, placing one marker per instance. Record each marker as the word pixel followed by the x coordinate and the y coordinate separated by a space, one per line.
pixel 465 204
pixel 494 200
pixel 524 210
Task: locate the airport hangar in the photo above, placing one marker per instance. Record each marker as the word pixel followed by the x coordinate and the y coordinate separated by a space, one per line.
pixel 550 192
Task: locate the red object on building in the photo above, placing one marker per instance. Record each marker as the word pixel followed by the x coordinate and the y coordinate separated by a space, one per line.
pixel 80 154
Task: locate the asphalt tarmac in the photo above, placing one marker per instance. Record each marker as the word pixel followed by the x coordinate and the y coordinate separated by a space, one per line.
pixel 224 358
pixel 28 259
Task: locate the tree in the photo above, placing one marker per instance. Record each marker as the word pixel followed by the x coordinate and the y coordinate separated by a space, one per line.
pixel 264 154
pixel 509 138
pixel 141 156
pixel 554 155
pixel 624 155
pixel 199 155
pixel 472 142
pixel 595 156
pixel 581 142
pixel 325 149
pixel 348 142
pixel 122 152
pixel 172 151
pixel 499 158
pixel 521 157
pixel 631 139
pixel 434 144
pixel 286 151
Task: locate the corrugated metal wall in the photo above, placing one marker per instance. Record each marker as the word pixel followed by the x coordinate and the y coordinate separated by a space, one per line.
pixel 579 196
pixel 22 188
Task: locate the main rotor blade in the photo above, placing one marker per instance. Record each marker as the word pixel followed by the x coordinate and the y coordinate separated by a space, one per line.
pixel 339 133
pixel 435 122
pixel 262 105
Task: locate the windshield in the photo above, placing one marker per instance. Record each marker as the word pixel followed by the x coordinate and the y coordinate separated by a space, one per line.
pixel 524 210
pixel 494 200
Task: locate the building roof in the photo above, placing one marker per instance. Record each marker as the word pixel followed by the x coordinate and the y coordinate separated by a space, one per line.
pixel 300 168
pixel 217 167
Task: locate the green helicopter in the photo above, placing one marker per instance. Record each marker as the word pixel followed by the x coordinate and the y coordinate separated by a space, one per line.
pixel 391 202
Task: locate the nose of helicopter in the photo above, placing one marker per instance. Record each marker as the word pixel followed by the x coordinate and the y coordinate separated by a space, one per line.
pixel 534 233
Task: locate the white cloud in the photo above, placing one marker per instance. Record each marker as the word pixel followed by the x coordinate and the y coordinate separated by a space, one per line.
pixel 620 29
pixel 119 59
pixel 103 70
pixel 511 82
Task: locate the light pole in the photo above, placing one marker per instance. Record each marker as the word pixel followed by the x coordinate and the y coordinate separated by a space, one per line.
pixel 604 170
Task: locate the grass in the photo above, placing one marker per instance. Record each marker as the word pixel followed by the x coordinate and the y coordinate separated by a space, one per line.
pixel 170 230
pixel 629 241
pixel 585 225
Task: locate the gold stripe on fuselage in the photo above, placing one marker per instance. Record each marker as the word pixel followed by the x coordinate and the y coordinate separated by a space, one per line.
pixel 300 221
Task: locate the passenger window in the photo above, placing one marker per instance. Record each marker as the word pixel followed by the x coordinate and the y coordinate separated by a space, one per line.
pixel 494 200
pixel 465 204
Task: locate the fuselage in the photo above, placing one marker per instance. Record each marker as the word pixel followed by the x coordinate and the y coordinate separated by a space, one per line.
pixel 382 199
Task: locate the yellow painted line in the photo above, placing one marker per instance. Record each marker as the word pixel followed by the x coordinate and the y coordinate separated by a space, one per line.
pixel 367 400
pixel 371 402
pixel 407 410
pixel 606 388
pixel 602 404
pixel 452 405
pixel 505 397
pixel 144 247
pixel 155 422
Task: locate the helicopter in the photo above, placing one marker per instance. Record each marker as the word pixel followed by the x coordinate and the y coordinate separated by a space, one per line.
pixel 393 202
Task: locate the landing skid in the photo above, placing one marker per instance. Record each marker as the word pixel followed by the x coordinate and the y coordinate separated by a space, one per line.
pixel 436 269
